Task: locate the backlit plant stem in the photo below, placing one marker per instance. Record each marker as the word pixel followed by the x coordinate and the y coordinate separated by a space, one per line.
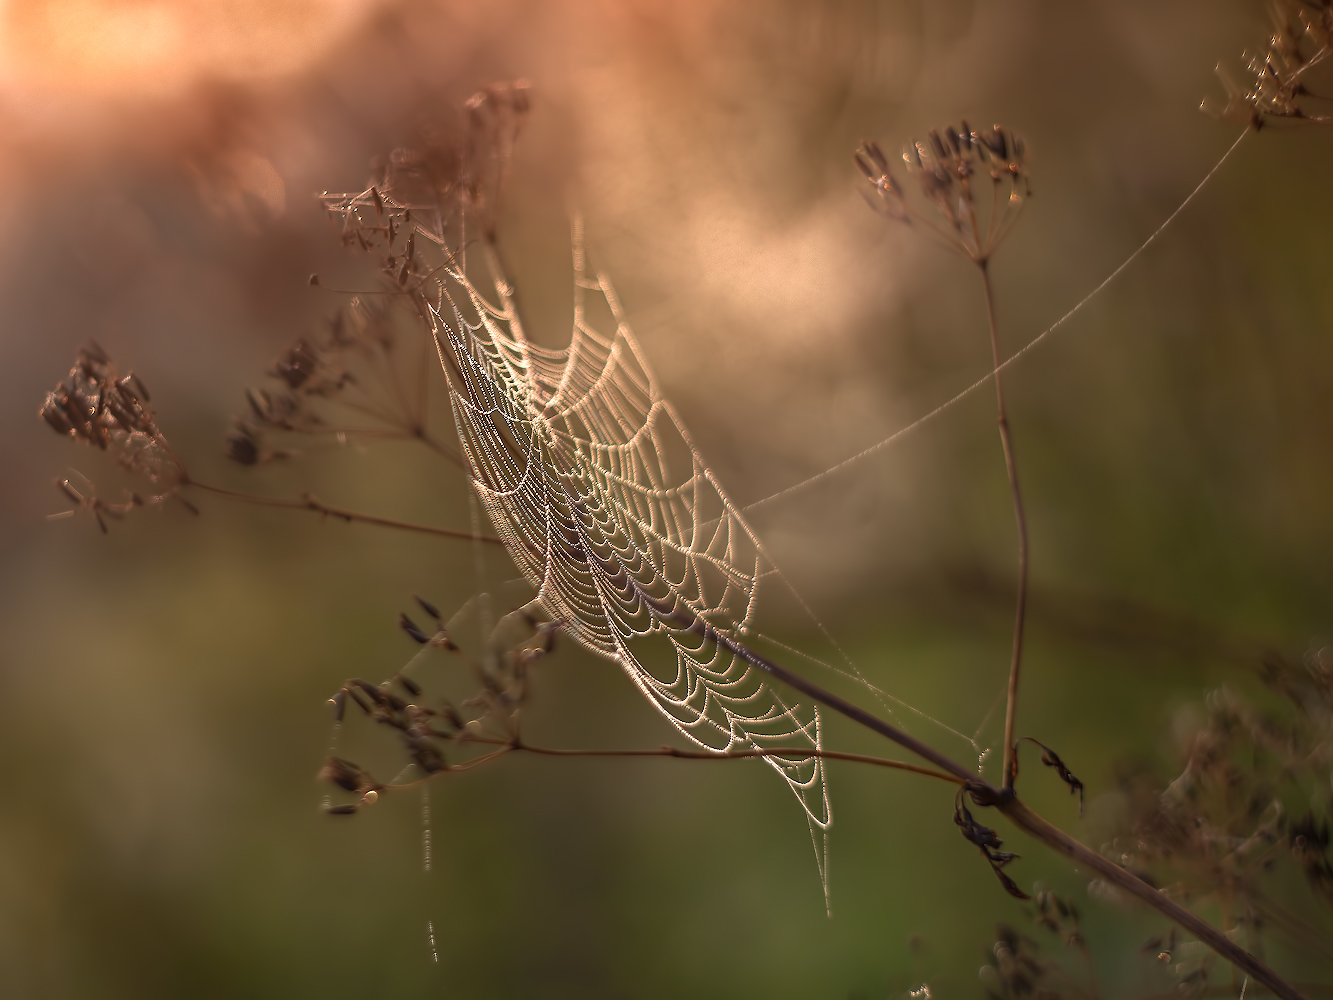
pixel 1020 613
pixel 1007 802
pixel 310 503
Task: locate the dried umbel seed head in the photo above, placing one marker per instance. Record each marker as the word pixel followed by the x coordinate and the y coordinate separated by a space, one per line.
pixel 100 408
pixel 950 168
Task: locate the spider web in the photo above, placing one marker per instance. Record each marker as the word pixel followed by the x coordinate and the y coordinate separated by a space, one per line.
pixel 602 500
pixel 609 511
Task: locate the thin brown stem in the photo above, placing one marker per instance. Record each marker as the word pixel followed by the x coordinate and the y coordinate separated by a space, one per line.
pixel 467 765
pixel 1032 824
pixel 1005 799
pixel 856 758
pixel 1006 441
pixel 310 503
pixel 840 705
pixel 514 745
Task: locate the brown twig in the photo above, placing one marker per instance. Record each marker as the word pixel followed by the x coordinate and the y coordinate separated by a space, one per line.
pixel 516 745
pixel 855 758
pixel 308 502
pixel 1007 802
pixel 1011 466
pixel 1032 824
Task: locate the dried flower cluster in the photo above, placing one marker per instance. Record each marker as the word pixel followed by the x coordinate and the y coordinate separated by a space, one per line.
pixel 1278 85
pixel 430 726
pixel 100 408
pixel 950 169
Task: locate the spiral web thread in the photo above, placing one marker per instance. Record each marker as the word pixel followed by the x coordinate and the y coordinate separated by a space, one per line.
pixel 609 511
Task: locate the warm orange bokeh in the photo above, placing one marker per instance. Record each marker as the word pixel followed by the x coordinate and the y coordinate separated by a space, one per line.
pixel 157 47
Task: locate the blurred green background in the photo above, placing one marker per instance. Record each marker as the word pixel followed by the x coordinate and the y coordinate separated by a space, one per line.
pixel 162 688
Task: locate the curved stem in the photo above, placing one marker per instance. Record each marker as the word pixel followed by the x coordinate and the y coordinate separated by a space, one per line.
pixel 505 747
pixel 1004 799
pixel 310 503
pixel 855 758
pixel 1033 825
pixel 1016 656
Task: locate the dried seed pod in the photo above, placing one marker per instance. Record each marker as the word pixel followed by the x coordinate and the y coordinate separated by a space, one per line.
pixel 410 627
pixel 54 414
pixel 349 776
pixel 297 364
pixel 242 445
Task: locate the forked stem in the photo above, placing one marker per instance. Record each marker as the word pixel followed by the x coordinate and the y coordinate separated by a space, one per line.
pixel 1005 799
pixel 1010 771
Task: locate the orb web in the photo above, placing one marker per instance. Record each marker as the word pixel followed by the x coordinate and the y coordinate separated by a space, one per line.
pixel 609 511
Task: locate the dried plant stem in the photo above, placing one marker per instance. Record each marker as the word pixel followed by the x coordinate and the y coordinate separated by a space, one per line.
pixel 1029 822
pixel 308 502
pixel 1005 799
pixel 515 745
pixel 855 758
pixel 1006 440
pixel 838 704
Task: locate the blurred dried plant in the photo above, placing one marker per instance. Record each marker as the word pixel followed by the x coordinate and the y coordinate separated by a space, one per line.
pixel 1020 969
pixel 1277 88
pixel 1250 807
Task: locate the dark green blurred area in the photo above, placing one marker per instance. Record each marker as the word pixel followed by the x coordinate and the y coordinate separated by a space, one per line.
pixel 162 688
